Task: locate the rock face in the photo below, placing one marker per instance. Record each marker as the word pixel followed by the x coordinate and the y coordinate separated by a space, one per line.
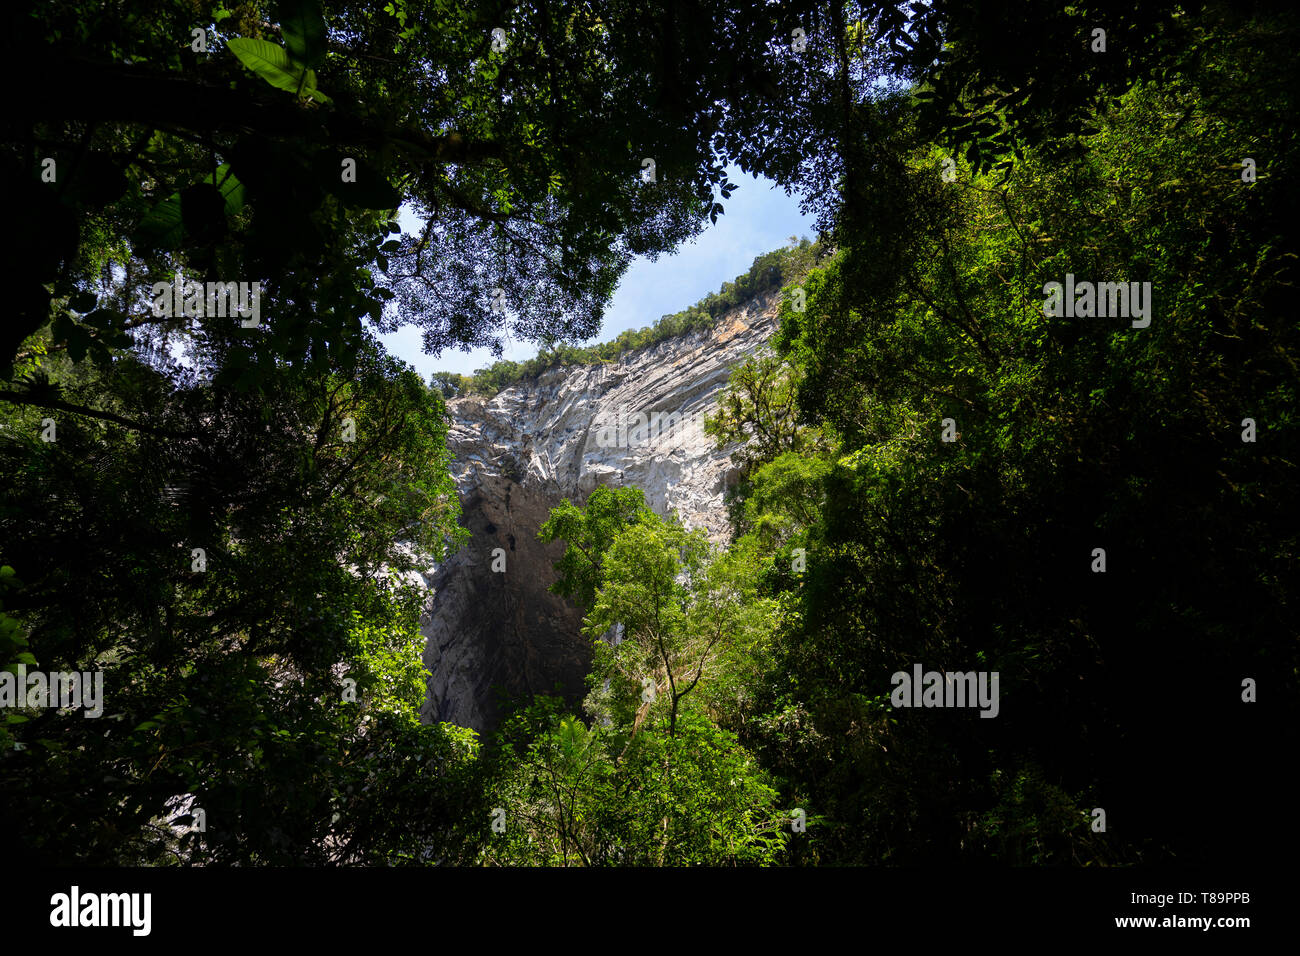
pixel 637 421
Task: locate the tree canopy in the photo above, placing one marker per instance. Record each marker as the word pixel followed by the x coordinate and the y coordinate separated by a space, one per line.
pixel 1030 412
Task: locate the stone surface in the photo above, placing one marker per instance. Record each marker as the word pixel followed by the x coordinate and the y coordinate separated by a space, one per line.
pixel 560 436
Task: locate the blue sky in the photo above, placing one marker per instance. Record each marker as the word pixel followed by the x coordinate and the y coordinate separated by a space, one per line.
pixel 759 217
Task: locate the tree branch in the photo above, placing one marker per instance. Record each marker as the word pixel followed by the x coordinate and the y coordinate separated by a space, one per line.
pixel 17 398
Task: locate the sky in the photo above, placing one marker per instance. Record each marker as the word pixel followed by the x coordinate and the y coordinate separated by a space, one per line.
pixel 759 217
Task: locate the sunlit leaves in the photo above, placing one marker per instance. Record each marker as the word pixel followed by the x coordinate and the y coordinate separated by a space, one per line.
pixel 274 64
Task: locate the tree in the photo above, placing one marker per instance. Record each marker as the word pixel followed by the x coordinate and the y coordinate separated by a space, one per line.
pixel 569 795
pixel 275 144
pixel 588 534
pixel 233 571
pixel 667 636
pixel 968 544
pixel 758 411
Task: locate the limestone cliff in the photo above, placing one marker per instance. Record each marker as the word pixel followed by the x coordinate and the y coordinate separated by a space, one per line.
pixel 636 421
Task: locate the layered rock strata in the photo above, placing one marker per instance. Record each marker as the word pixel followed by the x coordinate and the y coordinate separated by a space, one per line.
pixel 493 635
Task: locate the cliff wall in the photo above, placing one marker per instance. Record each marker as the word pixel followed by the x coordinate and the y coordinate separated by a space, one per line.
pixel 637 421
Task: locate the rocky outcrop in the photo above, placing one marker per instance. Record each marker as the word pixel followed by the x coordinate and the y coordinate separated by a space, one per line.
pixel 493 627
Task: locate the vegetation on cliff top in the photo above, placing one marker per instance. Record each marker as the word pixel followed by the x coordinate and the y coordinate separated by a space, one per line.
pixel 771 270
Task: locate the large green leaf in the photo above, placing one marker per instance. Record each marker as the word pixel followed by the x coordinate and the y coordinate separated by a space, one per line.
pixel 310 89
pixel 271 63
pixel 203 212
pixel 161 226
pixel 231 189
pixel 78 343
pixel 109 324
pixel 303 29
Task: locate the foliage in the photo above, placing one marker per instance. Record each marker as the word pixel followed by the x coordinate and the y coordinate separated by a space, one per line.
pixel 588 534
pixel 222 518
pixel 224 672
pixel 270 142
pixel 1070 434
pixel 769 271
pixel 571 795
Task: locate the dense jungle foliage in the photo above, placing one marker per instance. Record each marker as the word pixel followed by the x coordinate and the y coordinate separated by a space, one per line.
pixel 221 517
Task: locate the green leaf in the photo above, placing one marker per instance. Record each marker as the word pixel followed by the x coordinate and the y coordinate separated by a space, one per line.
pixel 303 29
pixel 161 226
pixel 82 301
pixel 309 89
pixel 231 189
pixel 203 212
pixel 270 62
